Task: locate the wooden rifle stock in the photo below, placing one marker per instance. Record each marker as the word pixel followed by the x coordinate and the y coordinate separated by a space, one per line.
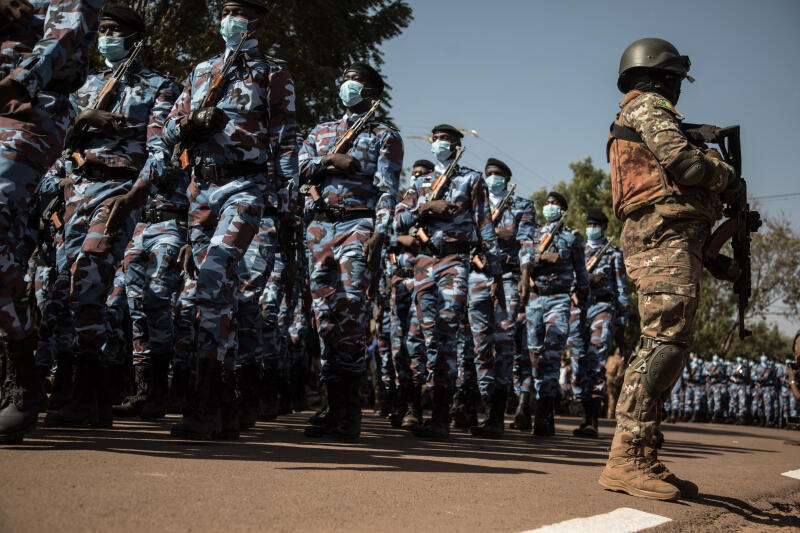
pixel 548 239
pixel 498 212
pixel 592 263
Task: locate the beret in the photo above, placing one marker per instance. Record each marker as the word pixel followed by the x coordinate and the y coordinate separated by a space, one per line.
pixel 423 163
pixel 447 128
pixel 558 196
pixel 124 15
pixel 596 216
pixel 492 162
pixel 369 74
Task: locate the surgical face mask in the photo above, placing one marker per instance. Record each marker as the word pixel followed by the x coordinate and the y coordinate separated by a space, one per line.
pixel 594 233
pixel 496 184
pixel 441 150
pixel 350 93
pixel 551 212
pixel 715 359
pixel 233 29
pixel 112 48
pixel 763 360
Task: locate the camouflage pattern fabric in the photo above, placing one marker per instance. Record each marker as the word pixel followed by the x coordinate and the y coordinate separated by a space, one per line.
pixel 490 328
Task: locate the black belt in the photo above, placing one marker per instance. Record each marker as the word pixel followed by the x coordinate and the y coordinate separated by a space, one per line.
pixel 338 214
pixel 551 291
pixel 153 216
pixel 446 248
pixel 606 299
pixel 213 173
pixel 104 173
pixel 404 272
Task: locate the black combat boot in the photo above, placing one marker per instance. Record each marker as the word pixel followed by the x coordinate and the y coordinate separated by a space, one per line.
pixel 412 419
pixel 156 402
pixel 437 427
pixel 298 380
pixel 83 408
pixel 178 388
pixel 459 412
pixel 400 406
pixel 492 427
pixel 389 401
pixel 43 372
pixel 284 396
pixel 349 426
pixel 588 427
pixel 511 403
pixel 202 420
pixel 522 416
pixel 269 394
pixel 22 391
pixel 229 406
pixel 248 378
pixel 62 381
pixel 143 380
pixel 326 423
pixel 544 421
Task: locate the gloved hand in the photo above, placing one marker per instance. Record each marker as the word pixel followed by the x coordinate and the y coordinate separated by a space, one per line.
pixel 186 259
pixel 733 191
pixel 206 121
pixel 344 162
pixel 109 123
pixel 721 173
pixel 122 207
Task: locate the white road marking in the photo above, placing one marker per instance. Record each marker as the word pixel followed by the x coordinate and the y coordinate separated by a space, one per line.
pixel 623 520
pixel 792 473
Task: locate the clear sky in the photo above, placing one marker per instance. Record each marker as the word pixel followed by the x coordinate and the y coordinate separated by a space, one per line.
pixel 537 81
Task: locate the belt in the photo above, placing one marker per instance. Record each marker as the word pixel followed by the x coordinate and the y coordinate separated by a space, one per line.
pixel 607 299
pixel 404 272
pixel 152 216
pixel 446 248
pixel 338 214
pixel 213 173
pixel 551 291
pixel 103 173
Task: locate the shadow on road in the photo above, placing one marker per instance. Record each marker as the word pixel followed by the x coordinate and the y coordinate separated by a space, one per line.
pixel 787 516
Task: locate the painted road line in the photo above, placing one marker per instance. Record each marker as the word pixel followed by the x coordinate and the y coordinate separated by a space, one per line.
pixel 792 474
pixel 623 520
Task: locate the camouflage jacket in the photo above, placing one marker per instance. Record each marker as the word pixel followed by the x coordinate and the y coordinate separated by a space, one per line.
pixel 471 223
pixel 403 257
pixel 569 272
pixel 764 374
pixel 378 148
pixel 19 40
pixel 611 269
pixel 519 217
pixel 716 372
pixel 145 97
pixel 259 100
pixel 61 49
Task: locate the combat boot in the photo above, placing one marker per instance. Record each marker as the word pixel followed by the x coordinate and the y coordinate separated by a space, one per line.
pixel 325 425
pixel 459 411
pixel 269 394
pixel 522 416
pixel 178 388
pixel 284 396
pixel 82 409
pixel 320 417
pixel 390 401
pixel 349 426
pixel 438 426
pixel 673 416
pixel 62 381
pixel 155 403
pixel 143 380
pixel 412 420
pixel 627 471
pixel 588 427
pixel 248 378
pixel 202 418
pixel 228 406
pixel 716 417
pixel 46 386
pixel 299 388
pixel 688 490
pixel 493 426
pixel 544 421
pixel 400 406
pixel 22 392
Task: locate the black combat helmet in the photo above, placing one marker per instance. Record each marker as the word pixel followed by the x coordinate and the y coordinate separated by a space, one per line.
pixel 651 53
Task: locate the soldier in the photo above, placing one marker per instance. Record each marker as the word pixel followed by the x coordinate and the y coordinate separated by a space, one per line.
pixel 608 307
pixel 555 268
pixel 108 149
pixel 666 192
pixel 352 215
pixel 697 390
pixel 788 406
pixel 739 377
pixel 675 404
pixel 238 153
pixel 44 57
pixel 717 376
pixel 453 225
pixel 764 392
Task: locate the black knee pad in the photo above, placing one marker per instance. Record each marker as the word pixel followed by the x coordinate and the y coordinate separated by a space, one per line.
pixel 661 367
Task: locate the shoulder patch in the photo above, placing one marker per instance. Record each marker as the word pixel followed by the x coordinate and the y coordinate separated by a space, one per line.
pixel 663 103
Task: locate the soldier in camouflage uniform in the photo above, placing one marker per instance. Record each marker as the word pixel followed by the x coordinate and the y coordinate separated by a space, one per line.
pixel 454 225
pixel 666 192
pixel 739 377
pixel 555 270
pixel 717 377
pixel 764 392
pixel 358 192
pixel 44 56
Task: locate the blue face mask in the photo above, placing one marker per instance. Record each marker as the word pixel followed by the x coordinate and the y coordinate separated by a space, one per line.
pixel 441 150
pixel 112 48
pixel 233 29
pixel 594 233
pixel 763 360
pixel 496 184
pixel 350 93
pixel 715 359
pixel 551 212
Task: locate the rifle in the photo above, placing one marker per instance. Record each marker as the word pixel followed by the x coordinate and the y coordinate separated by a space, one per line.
pixel 592 263
pixel 215 91
pixel 343 145
pixel 741 222
pixel 101 102
pixel 440 185
pixel 498 211
pixel 53 210
pixel 547 241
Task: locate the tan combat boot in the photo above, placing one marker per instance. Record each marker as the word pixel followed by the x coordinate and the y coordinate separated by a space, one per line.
pixel 627 471
pixel 689 490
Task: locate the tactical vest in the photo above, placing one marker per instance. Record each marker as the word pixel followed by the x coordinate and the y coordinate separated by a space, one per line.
pixel 638 179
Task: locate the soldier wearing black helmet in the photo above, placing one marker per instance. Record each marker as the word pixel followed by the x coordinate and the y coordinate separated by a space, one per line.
pixel 667 192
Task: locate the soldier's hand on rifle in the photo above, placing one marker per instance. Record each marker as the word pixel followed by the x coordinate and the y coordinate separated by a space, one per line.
pixel 186 260
pixel 505 235
pixel 408 241
pixel 438 209
pixel 109 123
pixel 65 182
pixel 123 206
pixel 205 121
pixel 524 287
pixel 733 191
pixel 10 90
pixel 498 292
pixel 344 162
pixel 17 12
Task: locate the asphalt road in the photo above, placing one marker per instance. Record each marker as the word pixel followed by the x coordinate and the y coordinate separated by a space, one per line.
pixel 135 478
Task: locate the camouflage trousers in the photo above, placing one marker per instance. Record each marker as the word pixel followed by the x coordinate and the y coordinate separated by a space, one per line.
pixel 589 351
pixel 46 348
pixel 339 281
pixel 718 399
pixel 401 310
pixel 740 401
pixel 117 349
pixel 184 325
pixel 293 325
pixel 764 401
pixel 31 137
pixel 467 373
pixel 548 324
pixel 440 284
pixel 788 404
pixel 697 398
pixel 676 397
pixel 492 331
pixel 272 298
pixel 383 333
pixel 522 372
pixel 152 278
pixel 663 256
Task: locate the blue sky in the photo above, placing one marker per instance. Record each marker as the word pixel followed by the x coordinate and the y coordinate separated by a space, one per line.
pixel 537 80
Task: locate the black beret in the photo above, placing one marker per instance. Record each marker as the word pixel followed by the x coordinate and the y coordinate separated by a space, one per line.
pixel 558 196
pixel 447 128
pixel 124 15
pixel 492 162
pixel 423 163
pixel 261 5
pixel 369 74
pixel 596 216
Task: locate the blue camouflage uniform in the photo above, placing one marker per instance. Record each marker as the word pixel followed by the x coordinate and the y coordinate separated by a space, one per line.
pixel 763 375
pixel 738 383
pixel 788 405
pixel 717 378
pixel 695 388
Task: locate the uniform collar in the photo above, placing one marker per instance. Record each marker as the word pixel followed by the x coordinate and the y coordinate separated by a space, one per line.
pixel 249 45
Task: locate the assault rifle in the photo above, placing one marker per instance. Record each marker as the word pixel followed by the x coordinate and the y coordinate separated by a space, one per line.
pixel 440 185
pixel 738 226
pixel 498 211
pixel 215 91
pixel 592 263
pixel 548 240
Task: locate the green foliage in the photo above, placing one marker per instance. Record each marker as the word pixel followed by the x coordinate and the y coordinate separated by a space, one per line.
pixel 316 38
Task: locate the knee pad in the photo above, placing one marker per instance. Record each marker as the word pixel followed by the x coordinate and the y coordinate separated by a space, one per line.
pixel 660 365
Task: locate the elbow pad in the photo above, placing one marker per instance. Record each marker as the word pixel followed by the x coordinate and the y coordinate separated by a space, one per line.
pixel 689 168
